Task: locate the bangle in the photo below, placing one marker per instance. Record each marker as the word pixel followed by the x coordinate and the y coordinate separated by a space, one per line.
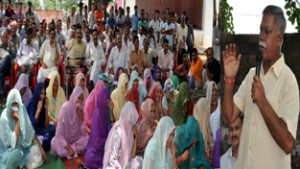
pixel 229 81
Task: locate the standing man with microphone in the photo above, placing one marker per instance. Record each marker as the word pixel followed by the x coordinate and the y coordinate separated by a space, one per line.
pixel 270 101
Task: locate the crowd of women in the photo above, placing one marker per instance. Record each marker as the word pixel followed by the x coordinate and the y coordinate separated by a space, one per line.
pixel 137 125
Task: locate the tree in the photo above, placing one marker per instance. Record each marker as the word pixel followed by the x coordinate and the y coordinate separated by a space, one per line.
pixel 226 19
pixel 293 12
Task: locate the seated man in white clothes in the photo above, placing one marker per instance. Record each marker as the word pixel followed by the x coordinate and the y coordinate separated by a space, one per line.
pixel 94 57
pixel 49 56
pixel 228 160
pixel 165 59
pixel 118 57
pixel 27 55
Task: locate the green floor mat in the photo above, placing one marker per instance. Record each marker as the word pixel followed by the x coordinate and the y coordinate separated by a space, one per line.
pixel 54 162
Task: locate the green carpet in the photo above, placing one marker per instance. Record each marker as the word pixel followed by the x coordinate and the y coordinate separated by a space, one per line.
pixel 54 163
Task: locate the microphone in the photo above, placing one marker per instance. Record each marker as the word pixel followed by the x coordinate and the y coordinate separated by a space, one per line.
pixel 258 62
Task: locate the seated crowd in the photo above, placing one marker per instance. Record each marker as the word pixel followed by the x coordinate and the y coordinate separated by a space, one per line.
pixel 131 79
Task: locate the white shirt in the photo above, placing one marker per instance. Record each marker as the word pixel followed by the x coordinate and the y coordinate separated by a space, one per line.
pixel 180 32
pixel 214 119
pixel 228 161
pixel 79 18
pixel 155 25
pixel 91 19
pixel 94 53
pixel 165 60
pixel 48 53
pixel 170 26
pixel 27 53
pixel 72 20
pixel 258 148
pixel 118 58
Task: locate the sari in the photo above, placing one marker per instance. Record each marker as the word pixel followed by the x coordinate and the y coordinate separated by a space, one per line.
pixel 201 113
pixel 118 96
pixel 156 68
pixel 79 77
pixel 55 103
pixel 177 112
pixel 160 111
pixel 147 126
pixel 147 74
pixel 99 131
pixel 45 134
pixel 91 103
pixel 23 82
pixel 157 155
pixel 141 90
pixel 15 153
pixel 189 137
pixel 70 129
pixel 120 139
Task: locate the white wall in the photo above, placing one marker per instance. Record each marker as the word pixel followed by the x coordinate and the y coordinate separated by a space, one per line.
pixel 207 22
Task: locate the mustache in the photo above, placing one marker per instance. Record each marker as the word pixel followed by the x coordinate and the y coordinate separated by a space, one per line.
pixel 234 137
pixel 262 44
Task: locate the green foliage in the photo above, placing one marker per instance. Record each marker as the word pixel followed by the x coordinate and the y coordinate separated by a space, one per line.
pixel 293 12
pixel 226 19
pixel 35 4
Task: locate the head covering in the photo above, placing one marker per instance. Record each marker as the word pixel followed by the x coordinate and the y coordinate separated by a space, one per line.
pixel 187 135
pixel 69 117
pixel 118 96
pixel 177 112
pixel 156 68
pixel 158 103
pixel 175 81
pixel 156 148
pixel 134 98
pixel 91 102
pixel 169 87
pixel 7 123
pixel 99 131
pixel 80 76
pixel 147 126
pixel 201 113
pixel 142 93
pixel 53 109
pixel 32 106
pixel 117 73
pixel 22 82
pixel 210 86
pixel 128 119
pixel 147 74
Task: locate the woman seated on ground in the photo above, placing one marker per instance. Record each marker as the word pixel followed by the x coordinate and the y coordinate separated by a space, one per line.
pixel 23 86
pixel 158 153
pixel 189 146
pixel 135 83
pixel 71 136
pixel 91 103
pixel 148 82
pixel 202 113
pixel 157 76
pixel 17 137
pixel 120 70
pixel 156 94
pixel 119 95
pixel 181 107
pixel 168 90
pixel 147 125
pixel 56 97
pixel 120 146
pixel 37 109
pixel 99 131
pixel 81 82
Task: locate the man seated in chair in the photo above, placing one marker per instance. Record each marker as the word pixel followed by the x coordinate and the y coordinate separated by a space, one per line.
pixel 27 55
pixel 76 49
pixel 49 56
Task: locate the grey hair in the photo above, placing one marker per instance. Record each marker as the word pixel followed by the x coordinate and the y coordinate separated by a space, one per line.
pixel 279 16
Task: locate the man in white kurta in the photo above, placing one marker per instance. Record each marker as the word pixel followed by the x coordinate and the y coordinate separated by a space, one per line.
pixel 94 57
pixel 165 59
pixel 49 56
pixel 270 102
pixel 118 57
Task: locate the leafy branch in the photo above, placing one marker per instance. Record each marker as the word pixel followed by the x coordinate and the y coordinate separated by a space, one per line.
pixel 226 19
pixel 293 12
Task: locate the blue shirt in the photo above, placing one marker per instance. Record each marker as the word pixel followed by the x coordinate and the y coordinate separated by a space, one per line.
pixel 135 21
pixel 111 22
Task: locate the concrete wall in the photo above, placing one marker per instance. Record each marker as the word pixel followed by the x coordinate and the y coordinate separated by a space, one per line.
pixel 247 45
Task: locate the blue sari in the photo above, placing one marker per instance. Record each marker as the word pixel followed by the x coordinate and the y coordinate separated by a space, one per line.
pixel 156 68
pixel 46 134
pixel 188 136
